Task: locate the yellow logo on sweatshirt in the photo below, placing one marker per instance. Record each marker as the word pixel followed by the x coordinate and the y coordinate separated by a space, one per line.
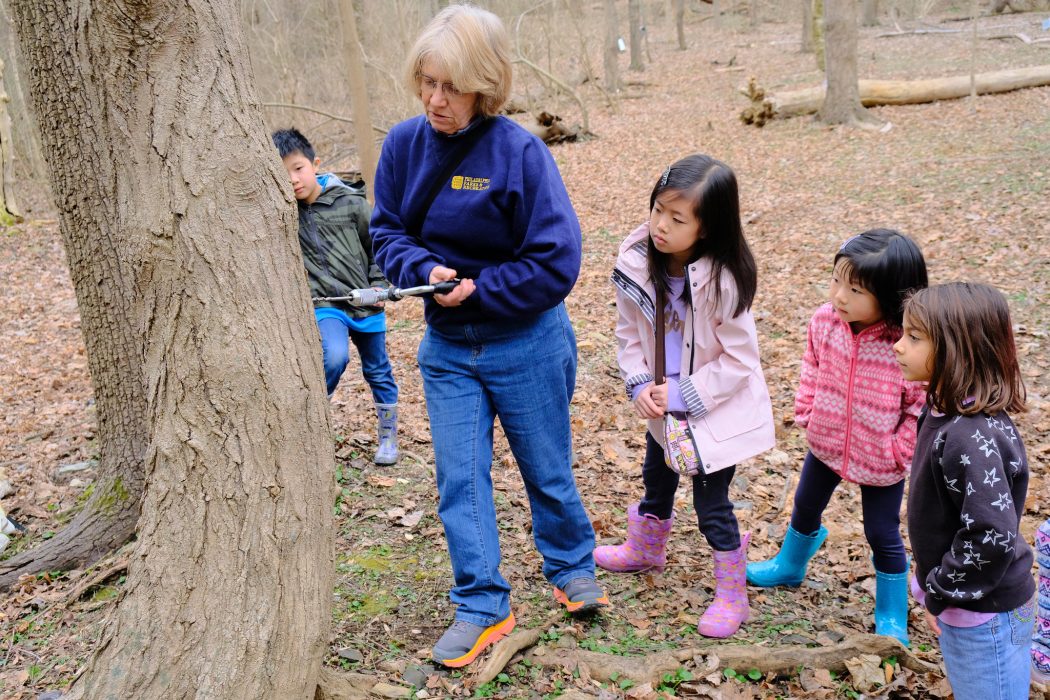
pixel 461 182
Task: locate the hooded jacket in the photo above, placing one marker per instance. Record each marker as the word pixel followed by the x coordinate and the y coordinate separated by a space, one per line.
pixel 336 246
pixel 721 379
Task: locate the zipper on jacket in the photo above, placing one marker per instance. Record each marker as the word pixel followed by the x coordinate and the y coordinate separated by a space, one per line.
pixel 855 341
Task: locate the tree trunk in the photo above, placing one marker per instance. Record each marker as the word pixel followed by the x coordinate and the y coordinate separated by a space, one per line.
pixel 634 18
pixel 103 279
pixel 869 13
pixel 819 27
pixel 842 101
pixel 355 63
pixel 612 48
pixel 175 183
pixel 8 208
pixel 679 23
pixel 807 26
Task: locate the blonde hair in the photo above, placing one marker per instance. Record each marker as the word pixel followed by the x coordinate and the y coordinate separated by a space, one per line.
pixel 472 46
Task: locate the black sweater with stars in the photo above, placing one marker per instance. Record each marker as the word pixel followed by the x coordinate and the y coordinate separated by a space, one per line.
pixel 969 480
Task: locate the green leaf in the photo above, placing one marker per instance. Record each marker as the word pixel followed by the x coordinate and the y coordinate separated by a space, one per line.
pixel 754 674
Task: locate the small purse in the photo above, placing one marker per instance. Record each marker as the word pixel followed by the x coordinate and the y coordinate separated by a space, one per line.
pixel 681 453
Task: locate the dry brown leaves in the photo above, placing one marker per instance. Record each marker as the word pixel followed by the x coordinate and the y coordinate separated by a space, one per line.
pixel 970 187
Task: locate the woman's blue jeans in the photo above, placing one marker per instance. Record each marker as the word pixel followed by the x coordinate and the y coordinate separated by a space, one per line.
pixel 524 372
pixel 991 661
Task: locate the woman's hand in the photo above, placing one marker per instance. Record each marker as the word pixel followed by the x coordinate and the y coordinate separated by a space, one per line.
pixel 652 401
pixel 462 290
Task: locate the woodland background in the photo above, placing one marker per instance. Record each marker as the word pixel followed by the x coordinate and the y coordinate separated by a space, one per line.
pixel 966 178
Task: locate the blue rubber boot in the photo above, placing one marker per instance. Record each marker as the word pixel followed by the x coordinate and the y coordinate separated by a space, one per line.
pixel 891 605
pixel 788 567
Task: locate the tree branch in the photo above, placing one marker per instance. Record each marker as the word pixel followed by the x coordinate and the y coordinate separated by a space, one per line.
pixel 305 108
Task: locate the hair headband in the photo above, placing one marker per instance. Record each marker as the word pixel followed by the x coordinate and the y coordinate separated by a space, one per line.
pixel 663 178
pixel 848 241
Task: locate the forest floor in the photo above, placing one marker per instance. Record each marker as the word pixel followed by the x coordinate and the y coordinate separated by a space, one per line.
pixel 968 181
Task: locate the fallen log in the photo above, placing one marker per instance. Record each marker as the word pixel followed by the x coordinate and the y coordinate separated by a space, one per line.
pixel 780 660
pixel 792 103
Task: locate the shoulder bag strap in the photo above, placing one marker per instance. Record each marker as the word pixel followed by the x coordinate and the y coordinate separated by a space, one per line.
pixel 414 221
pixel 658 373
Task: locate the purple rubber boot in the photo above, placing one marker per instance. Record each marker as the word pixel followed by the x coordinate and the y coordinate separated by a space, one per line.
pixel 645 548
pixel 730 608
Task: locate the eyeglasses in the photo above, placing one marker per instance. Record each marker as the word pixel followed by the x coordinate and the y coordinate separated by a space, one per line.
pixel 429 85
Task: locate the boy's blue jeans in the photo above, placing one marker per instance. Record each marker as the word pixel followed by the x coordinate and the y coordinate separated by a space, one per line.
pixel 371 347
pixel 524 372
pixel 991 661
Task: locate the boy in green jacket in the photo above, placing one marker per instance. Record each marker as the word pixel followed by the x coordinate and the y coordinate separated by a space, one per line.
pixel 337 251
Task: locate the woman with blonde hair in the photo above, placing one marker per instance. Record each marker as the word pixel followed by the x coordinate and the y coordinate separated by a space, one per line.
pixel 463 194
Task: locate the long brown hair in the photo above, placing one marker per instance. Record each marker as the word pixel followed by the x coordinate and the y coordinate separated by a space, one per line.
pixel 974 355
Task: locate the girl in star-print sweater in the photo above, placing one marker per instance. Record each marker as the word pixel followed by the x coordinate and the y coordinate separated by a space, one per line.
pixel 968 486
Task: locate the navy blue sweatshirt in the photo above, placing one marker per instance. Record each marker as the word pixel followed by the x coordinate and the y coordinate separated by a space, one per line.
pixel 969 478
pixel 504 220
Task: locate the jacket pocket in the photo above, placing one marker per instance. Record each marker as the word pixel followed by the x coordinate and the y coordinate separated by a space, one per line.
pixel 745 411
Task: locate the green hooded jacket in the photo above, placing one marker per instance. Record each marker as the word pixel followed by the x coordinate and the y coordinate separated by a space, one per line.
pixel 336 245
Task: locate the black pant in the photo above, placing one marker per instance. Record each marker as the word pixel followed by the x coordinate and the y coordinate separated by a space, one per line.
pixel 714 510
pixel 881 506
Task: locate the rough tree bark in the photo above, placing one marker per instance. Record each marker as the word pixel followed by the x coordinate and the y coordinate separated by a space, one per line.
pixel 103 280
pixel 355 60
pixel 8 208
pixel 164 172
pixel 634 18
pixel 842 100
pixel 612 49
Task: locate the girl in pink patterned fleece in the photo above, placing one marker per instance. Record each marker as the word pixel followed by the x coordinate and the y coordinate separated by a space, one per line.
pixel 860 416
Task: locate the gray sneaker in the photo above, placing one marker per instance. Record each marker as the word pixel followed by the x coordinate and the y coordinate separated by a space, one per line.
pixel 581 595
pixel 463 641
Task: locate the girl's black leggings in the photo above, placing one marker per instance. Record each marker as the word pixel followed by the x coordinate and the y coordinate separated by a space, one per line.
pixel 881 507
pixel 714 510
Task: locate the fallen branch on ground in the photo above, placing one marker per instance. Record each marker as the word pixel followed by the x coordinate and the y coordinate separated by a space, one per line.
pixel 792 103
pixel 1018 35
pixel 779 660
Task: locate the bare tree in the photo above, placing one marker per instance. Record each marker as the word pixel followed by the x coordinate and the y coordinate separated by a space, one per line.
pixel 807 26
pixel 679 23
pixel 355 63
pixel 869 13
pixel 819 28
pixel 634 18
pixel 842 100
pixel 181 236
pixel 8 207
pixel 612 47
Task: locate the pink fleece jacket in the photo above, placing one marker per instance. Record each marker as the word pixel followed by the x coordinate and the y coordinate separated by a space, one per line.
pixel 858 411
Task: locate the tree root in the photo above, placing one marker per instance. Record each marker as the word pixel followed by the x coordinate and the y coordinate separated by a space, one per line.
pixel 92 581
pixel 778 660
pixel 504 651
pixel 338 685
